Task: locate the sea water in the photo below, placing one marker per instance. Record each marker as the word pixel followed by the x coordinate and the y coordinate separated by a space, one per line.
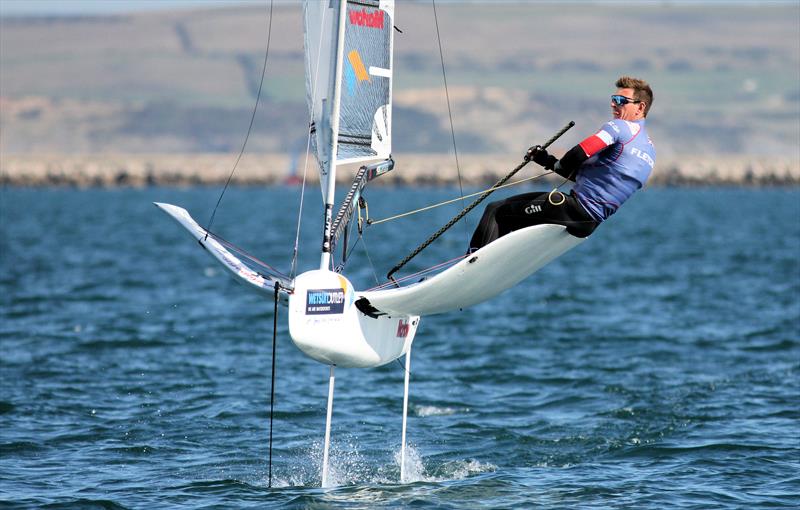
pixel 654 366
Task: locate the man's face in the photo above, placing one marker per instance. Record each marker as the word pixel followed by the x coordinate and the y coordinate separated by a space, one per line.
pixel 630 111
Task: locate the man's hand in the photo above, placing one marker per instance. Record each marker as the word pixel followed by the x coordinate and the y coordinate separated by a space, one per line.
pixel 540 156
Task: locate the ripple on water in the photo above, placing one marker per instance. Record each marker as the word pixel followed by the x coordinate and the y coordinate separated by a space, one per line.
pixel 655 366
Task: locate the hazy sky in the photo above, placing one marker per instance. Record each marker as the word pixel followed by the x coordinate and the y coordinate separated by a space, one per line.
pixel 66 7
pixel 93 7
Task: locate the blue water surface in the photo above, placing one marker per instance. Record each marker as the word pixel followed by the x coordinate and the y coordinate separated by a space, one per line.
pixel 654 366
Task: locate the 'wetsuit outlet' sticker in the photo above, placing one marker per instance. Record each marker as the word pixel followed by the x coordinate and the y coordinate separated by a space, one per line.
pixel 324 301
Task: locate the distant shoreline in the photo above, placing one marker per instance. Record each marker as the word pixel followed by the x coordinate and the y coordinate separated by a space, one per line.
pixel 127 170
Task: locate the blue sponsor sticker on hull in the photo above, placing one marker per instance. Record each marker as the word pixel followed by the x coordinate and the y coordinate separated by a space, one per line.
pixel 324 301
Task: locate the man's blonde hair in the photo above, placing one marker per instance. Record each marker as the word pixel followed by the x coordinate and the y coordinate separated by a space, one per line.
pixel 641 90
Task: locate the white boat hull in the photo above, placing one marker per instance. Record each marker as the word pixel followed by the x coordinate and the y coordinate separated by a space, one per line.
pixel 480 276
pixel 325 324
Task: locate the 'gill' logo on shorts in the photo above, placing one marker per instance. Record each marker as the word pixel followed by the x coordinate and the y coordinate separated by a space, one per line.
pixel 533 208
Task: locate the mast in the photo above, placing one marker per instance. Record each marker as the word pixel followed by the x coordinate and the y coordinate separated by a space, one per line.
pixel 330 192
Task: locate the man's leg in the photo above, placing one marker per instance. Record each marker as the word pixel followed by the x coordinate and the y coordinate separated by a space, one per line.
pixel 530 209
pixel 487 229
pixel 537 208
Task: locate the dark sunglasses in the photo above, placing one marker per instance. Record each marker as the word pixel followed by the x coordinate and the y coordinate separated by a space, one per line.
pixel 622 100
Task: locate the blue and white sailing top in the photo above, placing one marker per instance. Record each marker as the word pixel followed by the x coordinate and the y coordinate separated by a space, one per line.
pixel 621 158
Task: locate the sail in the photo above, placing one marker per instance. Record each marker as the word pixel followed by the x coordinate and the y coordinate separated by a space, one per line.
pixel 365 110
pixel 365 118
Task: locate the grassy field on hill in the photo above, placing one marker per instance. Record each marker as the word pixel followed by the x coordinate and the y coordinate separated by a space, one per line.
pixel 726 78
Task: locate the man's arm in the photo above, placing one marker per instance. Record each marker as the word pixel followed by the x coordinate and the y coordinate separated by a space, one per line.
pixel 568 165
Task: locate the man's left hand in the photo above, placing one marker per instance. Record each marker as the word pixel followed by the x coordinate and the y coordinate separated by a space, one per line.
pixel 540 156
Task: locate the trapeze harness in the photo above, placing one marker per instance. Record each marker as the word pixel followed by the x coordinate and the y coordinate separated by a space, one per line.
pixel 607 168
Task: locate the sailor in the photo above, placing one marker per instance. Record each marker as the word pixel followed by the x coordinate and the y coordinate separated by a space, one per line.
pixel 607 168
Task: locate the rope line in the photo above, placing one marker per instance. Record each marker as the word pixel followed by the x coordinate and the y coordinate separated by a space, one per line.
pixel 446 202
pixel 252 120
pixel 474 204
pixel 402 366
pixel 393 283
pixel 450 113
pixel 243 253
pixel 369 259
pixel 272 386
pixel 295 251
pixel 557 189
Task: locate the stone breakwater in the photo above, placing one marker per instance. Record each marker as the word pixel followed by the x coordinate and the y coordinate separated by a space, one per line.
pixel 437 169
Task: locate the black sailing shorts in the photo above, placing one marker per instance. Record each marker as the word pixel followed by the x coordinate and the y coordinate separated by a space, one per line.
pixel 520 211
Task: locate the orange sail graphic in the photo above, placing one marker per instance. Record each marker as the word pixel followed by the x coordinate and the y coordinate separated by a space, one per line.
pixel 358 66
